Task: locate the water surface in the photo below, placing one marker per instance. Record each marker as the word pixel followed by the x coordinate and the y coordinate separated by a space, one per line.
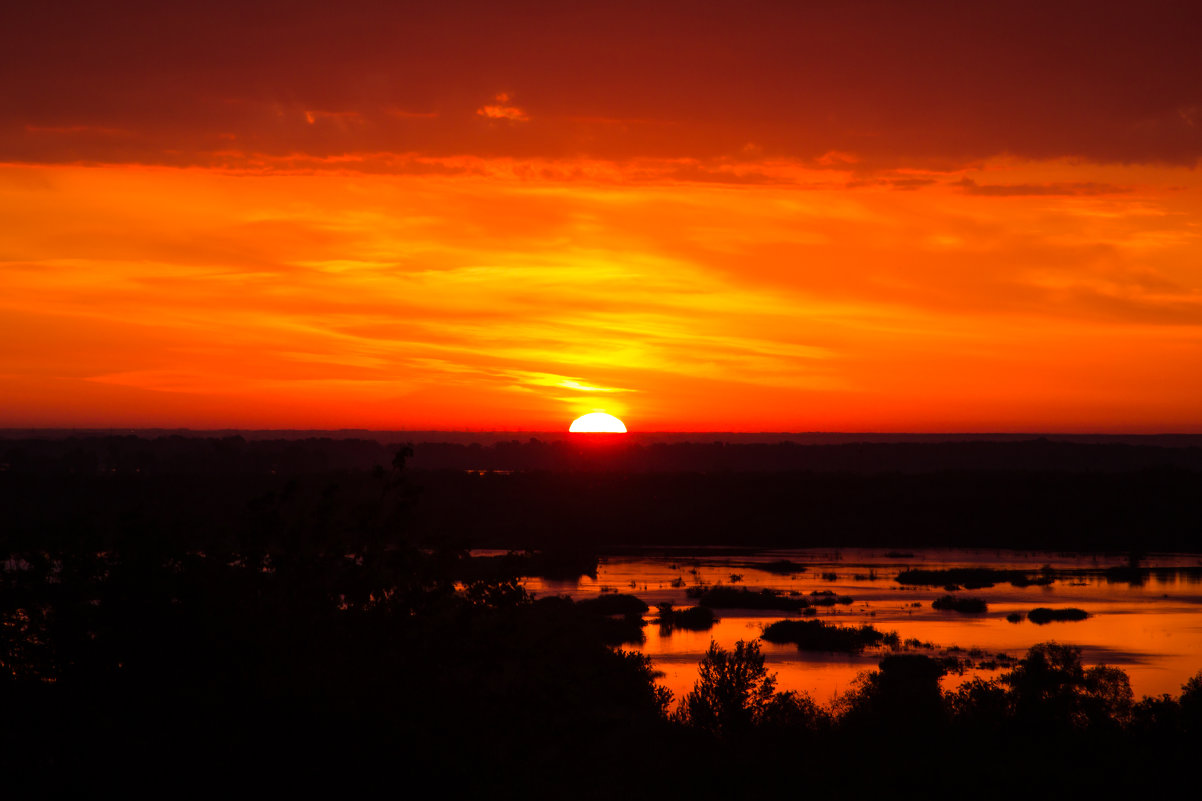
pixel 1152 630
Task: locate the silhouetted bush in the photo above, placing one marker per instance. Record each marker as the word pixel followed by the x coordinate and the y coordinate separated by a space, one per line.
pixel 616 618
pixel 904 692
pixel 980 703
pixel 956 603
pixel 970 578
pixel 793 713
pixel 695 618
pixel 721 597
pixel 828 598
pixel 814 635
pixel 614 604
pixel 1043 614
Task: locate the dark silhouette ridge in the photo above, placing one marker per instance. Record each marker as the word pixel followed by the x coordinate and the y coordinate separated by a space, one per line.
pixel 589 452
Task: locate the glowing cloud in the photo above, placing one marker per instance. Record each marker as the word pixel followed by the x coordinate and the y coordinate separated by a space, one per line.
pixel 818 300
pixel 503 110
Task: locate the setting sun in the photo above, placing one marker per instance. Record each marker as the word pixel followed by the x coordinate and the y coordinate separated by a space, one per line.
pixel 597 423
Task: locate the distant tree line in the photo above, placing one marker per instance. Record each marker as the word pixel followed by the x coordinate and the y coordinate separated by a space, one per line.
pixel 236 454
pixel 191 485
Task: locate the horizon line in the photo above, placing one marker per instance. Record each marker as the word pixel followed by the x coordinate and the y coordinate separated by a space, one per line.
pixel 6 430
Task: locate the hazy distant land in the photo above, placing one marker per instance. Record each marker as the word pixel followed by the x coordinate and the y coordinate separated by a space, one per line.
pixel 467 436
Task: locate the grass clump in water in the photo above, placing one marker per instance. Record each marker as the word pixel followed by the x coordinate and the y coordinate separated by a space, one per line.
pixel 814 635
pixel 741 598
pixel 1043 614
pixel 965 606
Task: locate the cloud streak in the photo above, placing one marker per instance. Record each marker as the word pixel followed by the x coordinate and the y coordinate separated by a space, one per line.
pixel 502 109
pixel 517 294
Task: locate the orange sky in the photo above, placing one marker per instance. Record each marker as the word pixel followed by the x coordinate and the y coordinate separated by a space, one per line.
pixel 706 217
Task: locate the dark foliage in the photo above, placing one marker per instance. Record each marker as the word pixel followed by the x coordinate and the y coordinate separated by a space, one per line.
pixel 958 603
pixel 1050 688
pixel 814 635
pixel 970 578
pixel 828 598
pixel 695 618
pixel 721 597
pixel 1191 705
pixel 1043 614
pixel 614 604
pixel 903 693
pixel 732 693
pixel 617 619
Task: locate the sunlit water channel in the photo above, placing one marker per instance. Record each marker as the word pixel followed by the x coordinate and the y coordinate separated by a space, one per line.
pixel 1153 630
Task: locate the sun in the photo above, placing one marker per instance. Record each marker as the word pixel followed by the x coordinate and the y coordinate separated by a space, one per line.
pixel 598 423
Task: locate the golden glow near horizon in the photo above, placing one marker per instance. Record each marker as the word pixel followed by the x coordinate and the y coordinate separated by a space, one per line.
pixel 140 296
pixel 597 423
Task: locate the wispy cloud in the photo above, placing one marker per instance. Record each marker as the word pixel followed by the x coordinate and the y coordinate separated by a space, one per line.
pixel 518 294
pixel 971 187
pixel 503 109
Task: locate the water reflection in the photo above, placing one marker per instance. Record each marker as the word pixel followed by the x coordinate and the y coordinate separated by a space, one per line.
pixel 1146 619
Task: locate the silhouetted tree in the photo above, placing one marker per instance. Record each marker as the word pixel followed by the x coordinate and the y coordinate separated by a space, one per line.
pixel 1156 717
pixel 1191 704
pixel 793 712
pixel 904 692
pixel 1044 685
pixel 1050 688
pixel 1106 698
pixel 979 703
pixel 732 692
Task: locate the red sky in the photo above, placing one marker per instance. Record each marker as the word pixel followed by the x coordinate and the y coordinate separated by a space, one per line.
pixel 724 216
